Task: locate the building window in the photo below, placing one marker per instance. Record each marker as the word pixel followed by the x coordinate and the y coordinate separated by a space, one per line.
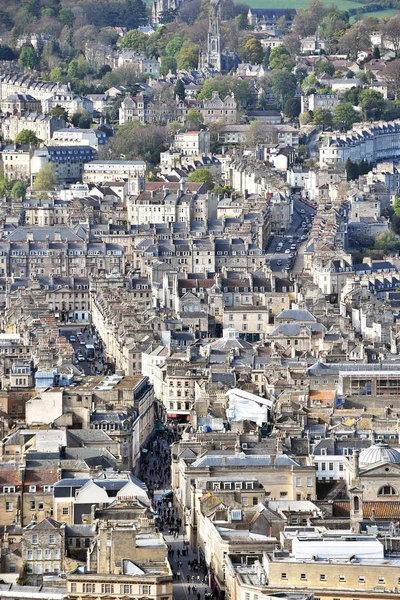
pixel 65 510
pixel 387 490
pixel 361 579
pixel 52 539
pixel 9 506
pixel 298 481
pixel 107 588
pixel 342 578
pixel 145 590
pixel 32 505
pixel 32 488
pixel 323 466
pixel 12 568
pixel 322 577
pixel 34 539
pixel 331 466
pixel 126 589
pixel 381 580
pixel 283 576
pixel 74 587
pixel 303 576
pixel 309 482
pixel 29 555
pixel 38 555
pixel 47 554
pixel 89 588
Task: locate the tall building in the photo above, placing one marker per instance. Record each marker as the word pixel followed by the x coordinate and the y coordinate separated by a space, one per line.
pixel 213 57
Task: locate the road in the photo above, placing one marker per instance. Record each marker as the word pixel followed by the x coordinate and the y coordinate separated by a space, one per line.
pixel 279 259
pixel 88 367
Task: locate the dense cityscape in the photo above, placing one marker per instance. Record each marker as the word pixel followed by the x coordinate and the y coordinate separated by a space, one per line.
pixel 199 300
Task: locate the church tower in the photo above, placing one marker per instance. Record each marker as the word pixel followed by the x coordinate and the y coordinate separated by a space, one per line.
pixel 212 58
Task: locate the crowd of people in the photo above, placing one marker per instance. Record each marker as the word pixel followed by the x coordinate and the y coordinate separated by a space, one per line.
pixel 155 471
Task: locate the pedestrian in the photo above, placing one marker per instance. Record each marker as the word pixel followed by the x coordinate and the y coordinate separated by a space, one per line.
pixel 193 589
pixel 198 596
pixel 188 579
pixel 189 590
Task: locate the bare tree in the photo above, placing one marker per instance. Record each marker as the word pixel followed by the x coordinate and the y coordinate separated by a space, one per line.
pixel 391 34
pixel 392 76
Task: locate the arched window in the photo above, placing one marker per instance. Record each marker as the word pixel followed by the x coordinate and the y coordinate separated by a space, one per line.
pixel 387 490
pixel 356 503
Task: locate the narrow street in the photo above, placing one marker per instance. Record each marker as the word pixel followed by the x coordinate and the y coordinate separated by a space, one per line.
pixel 190 581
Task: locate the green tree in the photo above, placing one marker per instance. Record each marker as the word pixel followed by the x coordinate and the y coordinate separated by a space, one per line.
pixel 18 190
pixel 396 206
pixel 81 119
pixel 305 118
pixel 254 52
pixel 388 243
pixel 56 75
pixel 322 117
pixel 372 104
pixel 179 89
pixel 188 56
pixel 202 176
pixel 28 57
pixel 292 108
pixel 26 136
pixel 284 86
pixel 194 120
pixel 324 66
pixel 168 63
pixel 376 53
pixel 351 170
pixel 280 59
pixel 4 187
pixel 134 40
pixel 66 17
pixel 224 85
pixel 174 45
pixel 309 84
pixel 46 178
pixel 59 111
pixel 344 116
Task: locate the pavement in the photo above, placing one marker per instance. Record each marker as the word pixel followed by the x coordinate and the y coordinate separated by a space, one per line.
pixel 156 473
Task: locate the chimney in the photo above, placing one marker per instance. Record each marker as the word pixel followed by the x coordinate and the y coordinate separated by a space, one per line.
pixel 356 464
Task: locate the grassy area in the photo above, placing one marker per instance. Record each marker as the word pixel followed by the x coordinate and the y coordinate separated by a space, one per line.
pixel 390 12
pixel 342 4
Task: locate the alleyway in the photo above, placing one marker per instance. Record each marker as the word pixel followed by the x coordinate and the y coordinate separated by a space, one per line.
pixel 189 578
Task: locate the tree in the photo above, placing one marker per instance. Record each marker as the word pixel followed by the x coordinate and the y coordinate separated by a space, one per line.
pixel 194 120
pixel 202 176
pixel 134 40
pixel 168 63
pixel 292 108
pixel 66 17
pixel 324 66
pixel 188 56
pixel 388 243
pixel 351 170
pixel 139 142
pixel 305 118
pixel 59 111
pixel 284 86
pixel 259 133
pixel 28 57
pixel 372 104
pixel 46 178
pixel 309 84
pixel 254 52
pixel 180 89
pixel 344 116
pixel 81 119
pixel 376 53
pixel 355 39
pixel 392 76
pixel 18 190
pixel 26 136
pixel 56 74
pixel 224 85
pixel 280 59
pixel 322 117
pixel 291 42
pixel 391 34
pixel 396 206
pixel 174 45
